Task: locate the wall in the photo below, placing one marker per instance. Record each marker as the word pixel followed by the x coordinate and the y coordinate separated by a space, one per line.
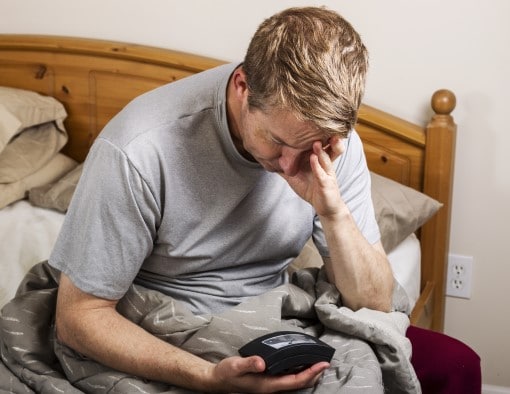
pixel 416 47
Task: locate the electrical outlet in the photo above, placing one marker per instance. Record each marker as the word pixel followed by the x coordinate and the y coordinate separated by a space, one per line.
pixel 459 276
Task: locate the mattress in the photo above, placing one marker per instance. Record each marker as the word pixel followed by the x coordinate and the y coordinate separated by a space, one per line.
pixel 28 233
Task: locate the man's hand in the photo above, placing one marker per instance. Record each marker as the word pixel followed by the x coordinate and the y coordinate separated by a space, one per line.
pixel 319 186
pixel 238 374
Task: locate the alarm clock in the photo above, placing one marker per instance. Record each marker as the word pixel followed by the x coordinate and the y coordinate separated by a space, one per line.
pixel 286 352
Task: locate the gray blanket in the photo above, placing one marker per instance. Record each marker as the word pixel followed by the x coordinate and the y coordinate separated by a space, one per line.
pixel 372 354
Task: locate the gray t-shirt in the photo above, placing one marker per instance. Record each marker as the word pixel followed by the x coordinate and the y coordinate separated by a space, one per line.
pixel 166 200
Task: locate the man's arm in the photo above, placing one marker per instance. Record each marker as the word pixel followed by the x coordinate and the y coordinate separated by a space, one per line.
pixel 360 271
pixel 92 326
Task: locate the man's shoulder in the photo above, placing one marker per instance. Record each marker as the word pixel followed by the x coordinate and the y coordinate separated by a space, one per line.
pixel 168 105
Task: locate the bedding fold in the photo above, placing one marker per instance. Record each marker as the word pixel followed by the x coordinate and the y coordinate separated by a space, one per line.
pixel 372 352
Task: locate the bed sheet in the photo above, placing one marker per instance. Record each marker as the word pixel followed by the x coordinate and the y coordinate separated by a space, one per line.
pixel 28 233
pixel 405 260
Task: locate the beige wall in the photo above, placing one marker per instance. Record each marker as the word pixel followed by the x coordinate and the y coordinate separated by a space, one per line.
pixel 416 47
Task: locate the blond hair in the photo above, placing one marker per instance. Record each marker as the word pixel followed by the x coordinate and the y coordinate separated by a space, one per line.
pixel 310 61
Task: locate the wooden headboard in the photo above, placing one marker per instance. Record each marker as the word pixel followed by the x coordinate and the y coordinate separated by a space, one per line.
pixel 94 79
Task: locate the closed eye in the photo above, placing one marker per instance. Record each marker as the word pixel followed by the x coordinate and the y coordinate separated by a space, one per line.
pixel 277 141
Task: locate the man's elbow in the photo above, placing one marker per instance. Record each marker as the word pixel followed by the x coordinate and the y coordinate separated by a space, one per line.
pixel 74 317
pixel 386 300
pixel 383 299
pixel 64 330
pixel 381 305
pixel 376 299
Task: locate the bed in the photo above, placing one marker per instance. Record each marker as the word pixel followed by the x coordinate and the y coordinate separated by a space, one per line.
pixel 94 79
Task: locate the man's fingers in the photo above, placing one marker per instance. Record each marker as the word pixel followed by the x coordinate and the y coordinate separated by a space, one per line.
pixel 320 160
pixel 306 378
pixel 336 148
pixel 253 364
pixel 245 375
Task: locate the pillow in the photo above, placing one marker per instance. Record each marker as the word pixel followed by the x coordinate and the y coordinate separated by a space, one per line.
pixel 399 210
pixel 21 109
pixel 56 195
pixel 56 168
pixel 31 132
pixel 30 151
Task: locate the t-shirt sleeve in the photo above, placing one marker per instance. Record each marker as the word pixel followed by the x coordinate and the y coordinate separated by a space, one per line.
pixel 110 226
pixel 353 179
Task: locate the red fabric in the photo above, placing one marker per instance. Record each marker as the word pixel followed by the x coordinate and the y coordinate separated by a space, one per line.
pixel 444 364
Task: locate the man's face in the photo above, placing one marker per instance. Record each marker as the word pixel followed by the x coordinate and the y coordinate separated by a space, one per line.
pixel 278 140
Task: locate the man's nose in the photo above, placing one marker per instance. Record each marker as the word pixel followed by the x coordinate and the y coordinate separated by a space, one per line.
pixel 290 161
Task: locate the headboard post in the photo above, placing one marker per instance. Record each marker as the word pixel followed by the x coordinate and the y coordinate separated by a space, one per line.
pixel 439 162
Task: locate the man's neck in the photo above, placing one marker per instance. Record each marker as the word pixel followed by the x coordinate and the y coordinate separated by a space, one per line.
pixel 233 115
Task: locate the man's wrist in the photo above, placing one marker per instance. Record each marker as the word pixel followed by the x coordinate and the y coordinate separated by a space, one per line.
pixel 205 379
pixel 334 217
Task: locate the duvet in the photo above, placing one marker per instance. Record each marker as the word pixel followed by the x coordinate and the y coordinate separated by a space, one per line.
pixel 372 353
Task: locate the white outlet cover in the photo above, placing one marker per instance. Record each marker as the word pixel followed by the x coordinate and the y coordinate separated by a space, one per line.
pixel 459 276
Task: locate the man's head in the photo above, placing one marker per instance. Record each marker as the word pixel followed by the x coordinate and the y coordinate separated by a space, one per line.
pixel 311 62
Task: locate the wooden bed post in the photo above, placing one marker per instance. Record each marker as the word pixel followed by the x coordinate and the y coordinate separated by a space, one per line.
pixel 439 163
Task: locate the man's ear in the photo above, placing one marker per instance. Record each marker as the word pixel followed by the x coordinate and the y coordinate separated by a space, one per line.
pixel 239 83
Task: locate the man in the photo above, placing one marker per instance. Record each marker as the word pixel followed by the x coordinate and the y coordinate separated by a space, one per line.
pixel 210 186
